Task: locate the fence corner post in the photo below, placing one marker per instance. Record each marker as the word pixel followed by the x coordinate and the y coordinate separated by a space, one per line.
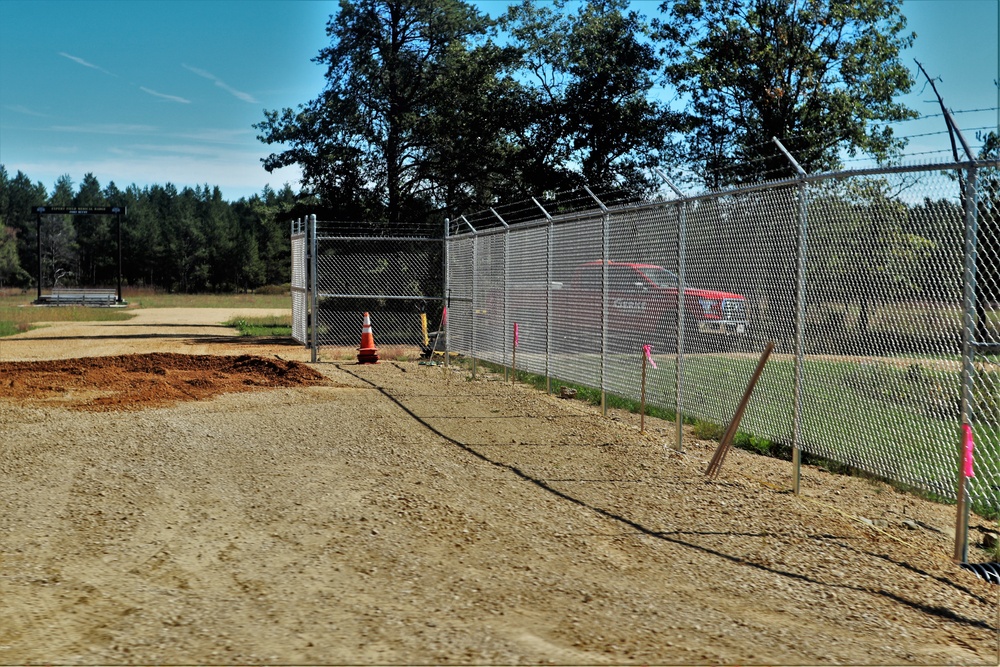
pixel 800 318
pixel 313 272
pixel 969 277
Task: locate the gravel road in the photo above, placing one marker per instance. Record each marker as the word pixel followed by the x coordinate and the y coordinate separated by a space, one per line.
pixel 409 514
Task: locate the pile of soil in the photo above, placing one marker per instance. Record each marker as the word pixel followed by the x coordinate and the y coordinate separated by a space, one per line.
pixel 136 381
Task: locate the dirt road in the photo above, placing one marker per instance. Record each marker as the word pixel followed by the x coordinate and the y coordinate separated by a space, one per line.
pixel 405 514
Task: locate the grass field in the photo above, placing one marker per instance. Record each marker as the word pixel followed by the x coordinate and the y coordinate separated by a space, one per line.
pixel 273 326
pixel 18 314
pixel 897 419
pixel 153 299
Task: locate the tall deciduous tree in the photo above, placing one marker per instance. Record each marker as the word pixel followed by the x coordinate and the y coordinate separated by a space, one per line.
pixel 363 140
pixel 10 263
pixel 59 247
pixel 820 75
pixel 20 198
pixel 589 113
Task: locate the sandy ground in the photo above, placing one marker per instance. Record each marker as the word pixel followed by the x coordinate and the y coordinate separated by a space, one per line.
pixel 409 514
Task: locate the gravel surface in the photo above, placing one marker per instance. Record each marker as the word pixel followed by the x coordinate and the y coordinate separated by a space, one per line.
pixel 409 514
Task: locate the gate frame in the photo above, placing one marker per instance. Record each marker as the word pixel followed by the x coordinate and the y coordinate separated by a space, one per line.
pixel 308 227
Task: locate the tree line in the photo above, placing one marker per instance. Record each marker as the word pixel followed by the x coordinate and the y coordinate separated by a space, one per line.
pixel 432 107
pixel 187 240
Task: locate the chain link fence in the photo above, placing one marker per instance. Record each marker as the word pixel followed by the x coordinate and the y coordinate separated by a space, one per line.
pixel 878 288
pixel 300 285
pixel 341 270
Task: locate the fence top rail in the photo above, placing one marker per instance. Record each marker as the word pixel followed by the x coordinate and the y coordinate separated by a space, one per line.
pixel 407 229
pixel 325 237
pixel 386 297
pixel 736 191
pixel 541 222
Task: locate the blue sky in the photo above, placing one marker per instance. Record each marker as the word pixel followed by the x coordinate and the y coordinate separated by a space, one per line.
pixel 155 91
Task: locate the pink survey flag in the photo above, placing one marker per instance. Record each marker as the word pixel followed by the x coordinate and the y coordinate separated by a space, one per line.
pixel 969 445
pixel 648 349
pixel 517 338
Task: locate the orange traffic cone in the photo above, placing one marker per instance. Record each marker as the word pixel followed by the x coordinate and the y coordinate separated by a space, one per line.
pixel 367 353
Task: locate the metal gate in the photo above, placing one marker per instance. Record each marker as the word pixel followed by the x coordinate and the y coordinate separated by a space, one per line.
pixel 341 270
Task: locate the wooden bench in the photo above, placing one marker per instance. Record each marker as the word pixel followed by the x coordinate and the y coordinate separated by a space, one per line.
pixel 65 296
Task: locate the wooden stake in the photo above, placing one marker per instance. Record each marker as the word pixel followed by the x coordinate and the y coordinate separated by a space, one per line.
pixel 513 365
pixel 727 440
pixel 642 397
pixel 513 355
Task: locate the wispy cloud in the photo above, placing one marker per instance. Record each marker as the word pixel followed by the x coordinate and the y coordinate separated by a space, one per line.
pixel 172 98
pixel 239 137
pixel 122 129
pixel 83 62
pixel 18 108
pixel 246 97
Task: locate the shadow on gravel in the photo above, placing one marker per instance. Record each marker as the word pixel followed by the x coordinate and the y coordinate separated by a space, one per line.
pixel 932 610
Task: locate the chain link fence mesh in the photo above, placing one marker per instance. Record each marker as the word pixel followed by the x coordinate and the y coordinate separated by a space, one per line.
pixel 985 408
pixel 862 280
pixel 856 277
pixel 393 272
pixel 299 286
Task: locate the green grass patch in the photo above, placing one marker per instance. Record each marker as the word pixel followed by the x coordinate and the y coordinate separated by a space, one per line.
pixel 274 326
pixel 8 328
pixel 146 298
pixel 17 314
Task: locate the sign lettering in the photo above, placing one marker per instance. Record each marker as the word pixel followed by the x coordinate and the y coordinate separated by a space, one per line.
pixel 70 210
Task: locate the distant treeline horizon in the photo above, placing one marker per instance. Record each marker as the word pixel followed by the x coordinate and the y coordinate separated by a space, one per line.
pixel 180 240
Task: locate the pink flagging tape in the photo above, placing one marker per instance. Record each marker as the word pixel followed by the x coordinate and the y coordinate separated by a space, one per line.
pixel 648 349
pixel 516 336
pixel 969 445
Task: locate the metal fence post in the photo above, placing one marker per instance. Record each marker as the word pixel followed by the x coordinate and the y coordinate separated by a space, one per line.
pixel 679 333
pixel 968 368
pixel 314 273
pixel 605 245
pixel 506 295
pixel 800 319
pixel 445 292
pixel 606 242
pixel 548 295
pixel 681 269
pixel 800 337
pixel 475 272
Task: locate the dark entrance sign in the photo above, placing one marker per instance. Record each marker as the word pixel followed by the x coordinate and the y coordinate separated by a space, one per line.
pixel 117 211
pixel 70 210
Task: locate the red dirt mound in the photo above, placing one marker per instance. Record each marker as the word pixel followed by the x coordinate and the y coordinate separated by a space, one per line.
pixel 132 382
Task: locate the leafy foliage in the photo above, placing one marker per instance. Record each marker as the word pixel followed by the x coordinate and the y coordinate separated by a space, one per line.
pixel 589 115
pixel 371 143
pixel 820 75
pixel 427 109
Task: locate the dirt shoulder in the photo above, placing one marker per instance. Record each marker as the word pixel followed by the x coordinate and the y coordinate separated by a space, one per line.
pixel 184 330
pixel 408 514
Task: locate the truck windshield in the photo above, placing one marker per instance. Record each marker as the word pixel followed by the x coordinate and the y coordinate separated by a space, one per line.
pixel 660 276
